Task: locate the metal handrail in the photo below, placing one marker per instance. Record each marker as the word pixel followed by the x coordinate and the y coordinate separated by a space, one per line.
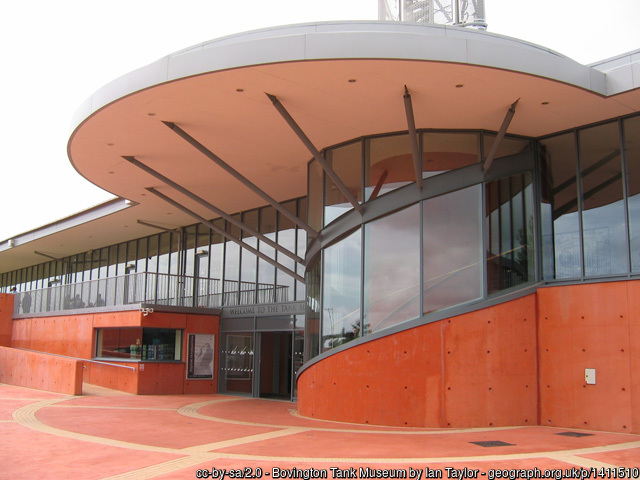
pixel 147 288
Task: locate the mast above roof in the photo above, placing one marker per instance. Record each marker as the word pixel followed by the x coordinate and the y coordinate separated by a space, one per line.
pixel 464 13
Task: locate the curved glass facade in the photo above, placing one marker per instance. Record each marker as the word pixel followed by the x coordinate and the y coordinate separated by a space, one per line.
pixel 563 207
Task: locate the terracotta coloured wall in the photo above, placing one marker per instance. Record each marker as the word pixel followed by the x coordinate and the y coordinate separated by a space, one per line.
pixel 474 369
pixel 73 335
pixel 41 371
pixel 6 311
pixel 518 363
pixel 590 326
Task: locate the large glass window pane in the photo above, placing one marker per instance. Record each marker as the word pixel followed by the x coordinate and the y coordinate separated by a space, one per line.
pixel 559 208
pixel 444 151
pixel 286 239
pixel 312 312
pixel 508 146
pixel 315 195
pixel 603 218
pixel 346 162
pixel 509 217
pixel 632 154
pixel 231 267
pixel 341 292
pixel 248 261
pixel 266 271
pixel 392 269
pixel 389 165
pixel 452 249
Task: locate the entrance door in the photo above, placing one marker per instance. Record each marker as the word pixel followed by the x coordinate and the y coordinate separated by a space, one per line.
pixel 237 361
pixel 276 359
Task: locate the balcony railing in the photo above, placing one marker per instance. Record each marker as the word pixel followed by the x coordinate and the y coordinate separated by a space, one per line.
pixel 147 288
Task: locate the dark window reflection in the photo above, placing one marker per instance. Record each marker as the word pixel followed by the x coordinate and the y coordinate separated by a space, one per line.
pixel 452 249
pixel 559 208
pixel 603 217
pixel 632 156
pixel 509 225
pixel 346 162
pixel 392 269
pixel 389 165
pixel 448 151
pixel 312 312
pixel 341 292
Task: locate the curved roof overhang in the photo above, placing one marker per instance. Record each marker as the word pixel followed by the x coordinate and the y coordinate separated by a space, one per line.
pixel 216 93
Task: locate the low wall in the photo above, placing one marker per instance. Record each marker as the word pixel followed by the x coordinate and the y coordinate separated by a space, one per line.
pixel 518 363
pixel 6 312
pixel 41 371
pixel 74 336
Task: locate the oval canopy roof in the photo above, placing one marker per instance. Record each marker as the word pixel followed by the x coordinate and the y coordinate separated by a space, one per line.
pixel 339 80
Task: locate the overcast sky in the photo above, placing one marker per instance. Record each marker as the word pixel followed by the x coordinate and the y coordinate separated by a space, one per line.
pixel 56 54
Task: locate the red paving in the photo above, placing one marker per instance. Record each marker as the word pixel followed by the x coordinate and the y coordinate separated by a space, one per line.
pixel 105 434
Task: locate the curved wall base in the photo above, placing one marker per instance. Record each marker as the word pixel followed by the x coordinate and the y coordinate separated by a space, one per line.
pixel 518 363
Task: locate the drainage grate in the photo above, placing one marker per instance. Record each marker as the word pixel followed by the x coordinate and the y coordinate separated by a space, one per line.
pixel 493 443
pixel 574 434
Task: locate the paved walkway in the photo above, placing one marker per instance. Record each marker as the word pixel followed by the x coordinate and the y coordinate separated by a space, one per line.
pixel 107 434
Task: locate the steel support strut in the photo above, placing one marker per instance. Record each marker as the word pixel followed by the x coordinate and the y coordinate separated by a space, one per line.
pixel 314 151
pixel 241 178
pixel 413 136
pixel 214 209
pixel 503 130
pixel 225 234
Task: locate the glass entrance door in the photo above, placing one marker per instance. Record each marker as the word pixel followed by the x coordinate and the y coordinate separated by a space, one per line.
pixel 237 363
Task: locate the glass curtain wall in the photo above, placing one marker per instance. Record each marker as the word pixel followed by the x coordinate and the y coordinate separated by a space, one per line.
pixel 392 269
pixel 193 251
pixel 589 207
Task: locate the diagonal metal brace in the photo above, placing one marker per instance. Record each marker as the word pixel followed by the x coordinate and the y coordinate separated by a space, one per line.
pixel 503 130
pixel 238 176
pixel 314 151
pixel 413 136
pixel 225 234
pixel 213 208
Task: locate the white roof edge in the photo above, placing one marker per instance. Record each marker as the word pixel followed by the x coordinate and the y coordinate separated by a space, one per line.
pixel 98 211
pixel 350 40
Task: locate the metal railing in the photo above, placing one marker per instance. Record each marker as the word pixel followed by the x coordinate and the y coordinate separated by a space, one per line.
pixel 149 288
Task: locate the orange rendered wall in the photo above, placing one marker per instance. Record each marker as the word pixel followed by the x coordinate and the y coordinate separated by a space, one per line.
pixel 518 363
pixel 73 335
pixel 6 312
pixel 470 370
pixel 590 326
pixel 41 371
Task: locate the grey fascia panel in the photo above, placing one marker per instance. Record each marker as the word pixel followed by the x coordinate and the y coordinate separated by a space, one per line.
pixel 539 64
pixel 620 80
pixel 268 50
pixel 351 40
pixel 139 79
pixel 375 45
